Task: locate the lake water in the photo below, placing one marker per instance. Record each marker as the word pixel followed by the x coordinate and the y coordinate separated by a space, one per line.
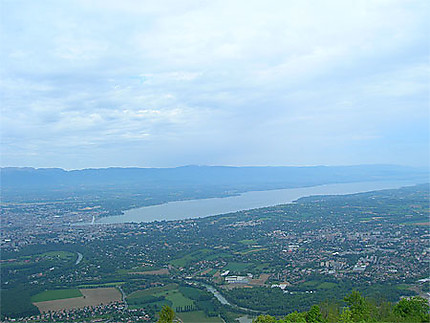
pixel 250 200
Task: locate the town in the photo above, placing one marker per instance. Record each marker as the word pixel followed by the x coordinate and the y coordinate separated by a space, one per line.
pixel 256 260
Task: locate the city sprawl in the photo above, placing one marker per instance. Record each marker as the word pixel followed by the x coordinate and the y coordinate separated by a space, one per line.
pixel 271 260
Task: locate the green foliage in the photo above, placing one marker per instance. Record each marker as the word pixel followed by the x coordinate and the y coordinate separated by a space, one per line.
pixel 294 317
pixel 314 315
pixel 271 300
pixel 144 300
pixel 199 316
pixel 359 307
pixel 152 291
pixel 166 315
pixel 195 293
pixel 346 316
pixel 16 302
pixel 330 310
pixel 265 319
pixel 415 309
pixel 50 295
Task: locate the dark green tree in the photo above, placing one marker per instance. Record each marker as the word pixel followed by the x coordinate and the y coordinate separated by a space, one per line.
pixel 314 315
pixel 294 317
pixel 345 316
pixel 359 307
pixel 414 309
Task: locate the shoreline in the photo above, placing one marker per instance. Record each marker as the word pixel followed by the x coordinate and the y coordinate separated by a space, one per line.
pixel 199 208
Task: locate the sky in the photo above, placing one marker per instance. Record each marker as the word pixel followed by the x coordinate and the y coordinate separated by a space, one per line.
pixel 167 83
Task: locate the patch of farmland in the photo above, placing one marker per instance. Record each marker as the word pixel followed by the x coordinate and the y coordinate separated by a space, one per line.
pixel 55 294
pixel 91 297
pixel 163 271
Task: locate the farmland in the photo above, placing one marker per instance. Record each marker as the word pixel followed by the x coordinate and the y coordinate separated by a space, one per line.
pixel 65 301
pixel 198 317
pixel 315 249
pixel 55 294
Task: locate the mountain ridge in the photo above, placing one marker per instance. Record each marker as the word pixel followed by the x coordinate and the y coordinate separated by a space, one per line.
pixel 192 175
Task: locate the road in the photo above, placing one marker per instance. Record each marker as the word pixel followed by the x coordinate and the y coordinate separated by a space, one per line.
pixel 123 295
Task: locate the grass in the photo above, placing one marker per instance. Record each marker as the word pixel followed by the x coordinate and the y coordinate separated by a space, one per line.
pixel 50 295
pixel 213 272
pixel 152 291
pixel 262 266
pixel 199 254
pixel 59 254
pixel 170 292
pixel 145 268
pixel 51 256
pixel 318 285
pixel 198 317
pixel 176 298
pixel 248 241
pixel 218 256
pixel 237 266
pixel 252 251
pixel 158 305
pixel 310 283
pixel 403 287
pixel 327 285
pixel 102 285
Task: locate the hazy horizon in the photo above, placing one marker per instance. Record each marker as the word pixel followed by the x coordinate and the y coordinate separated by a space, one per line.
pixel 96 84
pixel 236 166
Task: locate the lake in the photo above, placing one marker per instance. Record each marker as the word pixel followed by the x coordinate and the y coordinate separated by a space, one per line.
pixel 250 200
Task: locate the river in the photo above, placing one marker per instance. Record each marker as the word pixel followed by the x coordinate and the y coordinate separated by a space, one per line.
pixel 79 259
pixel 217 295
pixel 205 207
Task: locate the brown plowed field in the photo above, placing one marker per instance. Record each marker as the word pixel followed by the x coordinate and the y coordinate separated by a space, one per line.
pixel 92 297
pixel 163 271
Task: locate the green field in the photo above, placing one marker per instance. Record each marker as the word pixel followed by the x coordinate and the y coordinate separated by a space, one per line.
pixel 176 297
pixel 183 261
pixel 158 305
pixel 403 287
pixel 220 255
pixel 51 256
pixel 318 284
pixel 262 267
pixel 144 268
pixel 212 272
pixel 252 251
pixel 198 317
pixel 327 285
pixel 102 285
pixel 50 295
pixel 248 241
pixel 170 293
pixel 59 254
pixel 237 266
pixel 152 291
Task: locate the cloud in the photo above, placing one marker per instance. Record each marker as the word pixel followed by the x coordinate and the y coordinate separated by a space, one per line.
pixel 213 82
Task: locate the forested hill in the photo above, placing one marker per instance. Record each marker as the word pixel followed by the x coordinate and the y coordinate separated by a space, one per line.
pixel 204 176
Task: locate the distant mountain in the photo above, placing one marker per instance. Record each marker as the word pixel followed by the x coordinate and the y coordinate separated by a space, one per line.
pixel 238 178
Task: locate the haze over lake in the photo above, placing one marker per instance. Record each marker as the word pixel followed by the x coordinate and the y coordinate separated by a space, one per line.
pixel 249 200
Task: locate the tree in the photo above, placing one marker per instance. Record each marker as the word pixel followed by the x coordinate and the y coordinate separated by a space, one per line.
pixel 295 317
pixel 314 315
pixel 346 316
pixel 359 307
pixel 415 309
pixel 166 315
pixel 265 319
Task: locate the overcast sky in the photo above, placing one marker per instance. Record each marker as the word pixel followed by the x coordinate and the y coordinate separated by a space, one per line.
pixel 168 83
